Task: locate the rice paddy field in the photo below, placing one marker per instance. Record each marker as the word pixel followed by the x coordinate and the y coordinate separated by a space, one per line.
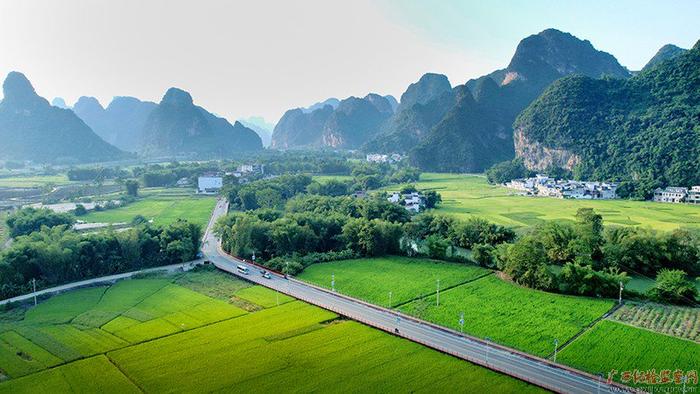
pixel 163 206
pixel 406 278
pixel 612 346
pixel 163 333
pixel 522 318
pixel 467 195
pixel 34 180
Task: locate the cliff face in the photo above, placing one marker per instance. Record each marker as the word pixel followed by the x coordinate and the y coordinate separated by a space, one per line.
pixel 538 157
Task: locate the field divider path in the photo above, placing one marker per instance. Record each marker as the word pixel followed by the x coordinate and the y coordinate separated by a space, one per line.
pixel 584 329
pixel 124 373
pixel 426 295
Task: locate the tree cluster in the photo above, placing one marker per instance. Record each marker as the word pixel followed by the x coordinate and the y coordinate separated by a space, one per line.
pixel 58 255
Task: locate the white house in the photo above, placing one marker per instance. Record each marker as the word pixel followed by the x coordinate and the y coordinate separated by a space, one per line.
pixel 671 194
pixel 693 195
pixel 209 184
pixel 395 197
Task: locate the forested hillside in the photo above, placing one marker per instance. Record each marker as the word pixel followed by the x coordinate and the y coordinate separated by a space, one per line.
pixel 645 130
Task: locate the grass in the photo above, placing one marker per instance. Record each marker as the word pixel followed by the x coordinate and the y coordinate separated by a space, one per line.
pixel 406 278
pixel 263 296
pixel 34 181
pixel 289 345
pixel 471 195
pixel 93 375
pixel 515 316
pixel 163 206
pixel 196 343
pixel 676 321
pixel 614 346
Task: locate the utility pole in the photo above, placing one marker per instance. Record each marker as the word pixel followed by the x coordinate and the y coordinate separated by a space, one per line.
pixel 600 378
pixel 34 285
pixel 390 304
pixel 333 282
pixel 437 292
pixel 621 287
pixel 461 322
pixel 556 343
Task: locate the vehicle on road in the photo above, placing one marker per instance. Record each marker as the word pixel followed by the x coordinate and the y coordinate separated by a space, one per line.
pixel 243 269
pixel 265 274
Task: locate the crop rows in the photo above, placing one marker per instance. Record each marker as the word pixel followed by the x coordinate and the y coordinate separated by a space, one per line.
pixel 611 346
pixel 671 320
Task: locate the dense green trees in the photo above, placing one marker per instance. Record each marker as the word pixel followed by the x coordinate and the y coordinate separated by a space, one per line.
pixel 675 287
pixel 132 188
pixel 507 171
pixel 59 255
pixel 643 131
pixel 28 220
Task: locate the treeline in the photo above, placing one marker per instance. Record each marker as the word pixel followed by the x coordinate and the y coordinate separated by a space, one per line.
pixel 28 220
pixel 314 228
pixel 165 175
pixel 514 169
pixel 594 260
pixel 58 255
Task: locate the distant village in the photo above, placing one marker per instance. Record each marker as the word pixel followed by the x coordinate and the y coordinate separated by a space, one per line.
pixel 211 183
pixel 544 186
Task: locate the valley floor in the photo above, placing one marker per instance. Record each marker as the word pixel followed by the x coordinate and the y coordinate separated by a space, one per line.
pixel 467 195
pixel 206 331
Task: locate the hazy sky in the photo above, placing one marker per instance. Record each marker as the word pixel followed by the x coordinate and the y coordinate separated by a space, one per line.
pixel 244 58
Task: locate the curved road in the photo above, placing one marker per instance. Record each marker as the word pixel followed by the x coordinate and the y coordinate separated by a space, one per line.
pixel 531 369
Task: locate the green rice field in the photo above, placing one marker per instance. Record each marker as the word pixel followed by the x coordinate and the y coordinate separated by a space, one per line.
pixel 467 195
pixel 406 278
pixel 33 180
pixel 515 316
pixel 161 334
pixel 611 346
pixel 163 206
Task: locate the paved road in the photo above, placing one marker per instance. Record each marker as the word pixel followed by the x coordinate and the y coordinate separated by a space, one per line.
pixel 537 371
pixel 97 281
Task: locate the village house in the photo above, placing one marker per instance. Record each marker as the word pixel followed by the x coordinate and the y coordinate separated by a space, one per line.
pixel 671 194
pixel 693 195
pixel 544 186
pixel 413 202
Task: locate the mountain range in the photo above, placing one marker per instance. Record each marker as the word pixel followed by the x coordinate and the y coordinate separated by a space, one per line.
pixel 465 128
pixel 347 124
pixel 120 124
pixel 33 129
pixel 645 129
pixel 179 127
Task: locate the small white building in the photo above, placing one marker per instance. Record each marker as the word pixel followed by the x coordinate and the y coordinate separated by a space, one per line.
pixel 395 197
pixel 209 184
pixel 693 195
pixel 671 194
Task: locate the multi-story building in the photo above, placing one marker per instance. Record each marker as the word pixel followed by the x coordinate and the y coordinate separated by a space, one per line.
pixel 693 195
pixel 671 194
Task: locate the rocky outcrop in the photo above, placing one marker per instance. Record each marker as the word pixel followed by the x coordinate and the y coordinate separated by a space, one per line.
pixel 538 157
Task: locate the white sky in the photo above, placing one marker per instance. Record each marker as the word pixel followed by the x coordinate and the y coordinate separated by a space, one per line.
pixel 245 58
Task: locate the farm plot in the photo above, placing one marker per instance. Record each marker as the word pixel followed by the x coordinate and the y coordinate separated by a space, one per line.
pixel 471 195
pixel 290 344
pixel 670 320
pixel 87 322
pixel 263 296
pixel 611 346
pixel 305 348
pixel 406 278
pixel 525 319
pixel 162 208
pixel 92 375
